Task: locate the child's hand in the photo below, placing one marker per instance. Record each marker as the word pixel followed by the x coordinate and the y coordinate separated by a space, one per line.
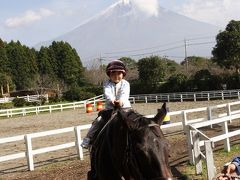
pixel 113 102
pixel 231 168
pixel 227 171
pixel 118 103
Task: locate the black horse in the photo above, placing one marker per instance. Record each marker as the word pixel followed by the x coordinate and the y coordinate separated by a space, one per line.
pixel 131 147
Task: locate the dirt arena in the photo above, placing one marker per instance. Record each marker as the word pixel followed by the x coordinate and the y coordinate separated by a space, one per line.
pixel 63 164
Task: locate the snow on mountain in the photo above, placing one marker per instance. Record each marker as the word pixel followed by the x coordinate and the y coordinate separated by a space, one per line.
pixel 124 29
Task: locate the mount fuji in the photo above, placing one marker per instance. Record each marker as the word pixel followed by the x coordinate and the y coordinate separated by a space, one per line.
pixel 124 29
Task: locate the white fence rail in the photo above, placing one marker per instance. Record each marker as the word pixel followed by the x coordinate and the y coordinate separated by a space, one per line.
pixel 28 98
pixel 187 96
pixel 184 96
pixel 184 123
pixel 30 152
pixel 49 108
pixel 199 139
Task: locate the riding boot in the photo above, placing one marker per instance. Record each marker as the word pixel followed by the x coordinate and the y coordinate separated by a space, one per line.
pixel 97 125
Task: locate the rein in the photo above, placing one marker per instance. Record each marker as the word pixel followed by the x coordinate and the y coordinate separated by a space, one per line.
pixel 154 124
pixel 129 154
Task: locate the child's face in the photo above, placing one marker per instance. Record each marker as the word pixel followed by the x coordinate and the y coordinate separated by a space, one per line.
pixel 116 76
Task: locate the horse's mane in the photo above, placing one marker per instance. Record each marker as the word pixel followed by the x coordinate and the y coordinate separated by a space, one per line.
pixel 135 120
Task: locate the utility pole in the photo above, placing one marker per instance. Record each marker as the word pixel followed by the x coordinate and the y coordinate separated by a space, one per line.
pixel 186 59
pixel 101 68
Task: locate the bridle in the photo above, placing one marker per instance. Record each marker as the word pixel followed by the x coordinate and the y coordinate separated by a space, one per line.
pixel 129 159
pixel 130 152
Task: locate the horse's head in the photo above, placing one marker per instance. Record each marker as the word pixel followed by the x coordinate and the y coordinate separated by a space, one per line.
pixel 149 150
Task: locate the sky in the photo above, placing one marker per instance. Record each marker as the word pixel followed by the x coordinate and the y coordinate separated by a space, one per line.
pixel 34 21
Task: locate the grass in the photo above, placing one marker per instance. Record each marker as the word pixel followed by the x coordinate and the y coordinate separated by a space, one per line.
pixel 220 158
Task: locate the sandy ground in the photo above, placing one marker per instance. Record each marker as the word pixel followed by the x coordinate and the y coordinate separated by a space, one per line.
pixel 43 122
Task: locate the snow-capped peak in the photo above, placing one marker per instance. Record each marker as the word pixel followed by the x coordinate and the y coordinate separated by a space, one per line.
pixel 126 1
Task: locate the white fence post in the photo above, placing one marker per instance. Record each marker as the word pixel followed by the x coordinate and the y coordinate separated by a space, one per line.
pixel 194 97
pixel 209 114
pixel 7 113
pixel 222 95
pixel 197 152
pixel 211 169
pixel 208 96
pixel 146 99
pixel 78 142
pixel 225 131
pixel 181 97
pixel 168 98
pixel 156 99
pixel 229 111
pixel 24 112
pixel 29 154
pixel 46 96
pixel 189 138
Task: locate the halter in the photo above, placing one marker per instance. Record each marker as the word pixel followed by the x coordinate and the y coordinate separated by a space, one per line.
pixel 130 151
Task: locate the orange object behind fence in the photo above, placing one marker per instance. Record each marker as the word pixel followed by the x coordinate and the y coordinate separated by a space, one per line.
pixel 99 105
pixel 89 108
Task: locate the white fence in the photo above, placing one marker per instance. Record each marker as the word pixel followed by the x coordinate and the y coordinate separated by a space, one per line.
pixel 184 123
pixel 199 139
pixel 187 96
pixel 30 152
pixel 48 108
pixel 28 98
pixel 184 96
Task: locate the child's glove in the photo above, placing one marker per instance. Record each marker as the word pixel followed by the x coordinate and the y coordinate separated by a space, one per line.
pixel 118 103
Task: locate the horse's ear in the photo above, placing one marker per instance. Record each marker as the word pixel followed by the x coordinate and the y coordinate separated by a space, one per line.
pixel 160 114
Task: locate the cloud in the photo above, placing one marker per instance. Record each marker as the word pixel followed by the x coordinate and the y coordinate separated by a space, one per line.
pixel 28 17
pixel 217 12
pixel 150 7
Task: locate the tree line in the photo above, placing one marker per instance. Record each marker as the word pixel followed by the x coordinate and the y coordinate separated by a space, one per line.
pixel 58 66
pixel 24 68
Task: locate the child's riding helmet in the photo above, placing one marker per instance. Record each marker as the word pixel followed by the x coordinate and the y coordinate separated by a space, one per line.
pixel 116 65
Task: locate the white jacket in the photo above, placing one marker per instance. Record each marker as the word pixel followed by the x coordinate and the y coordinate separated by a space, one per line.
pixel 119 91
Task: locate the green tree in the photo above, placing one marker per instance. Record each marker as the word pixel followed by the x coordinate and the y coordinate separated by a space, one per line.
pixel 227 50
pixel 132 69
pixel 23 65
pixel 175 83
pixel 151 70
pixel 202 80
pixel 69 66
pixel 4 63
pixel 170 67
pixel 48 77
pixel 5 76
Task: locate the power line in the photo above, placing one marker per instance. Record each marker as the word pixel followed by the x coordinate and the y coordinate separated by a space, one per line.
pixel 203 37
pixel 143 49
pixel 118 54
pixel 153 52
pixel 194 44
